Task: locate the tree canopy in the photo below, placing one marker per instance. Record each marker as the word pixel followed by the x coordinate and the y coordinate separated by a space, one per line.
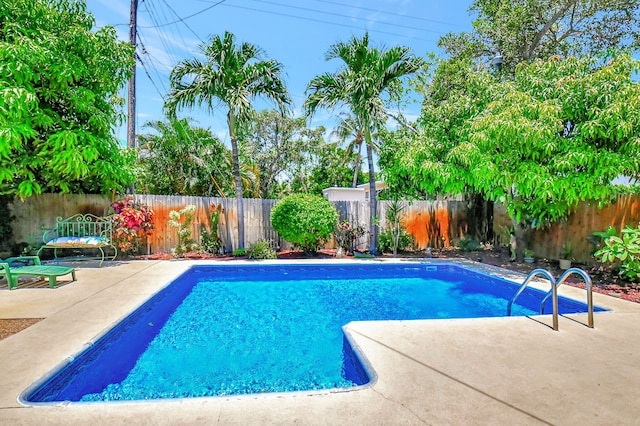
pixel 277 145
pixel 59 84
pixel 523 30
pixel 560 132
pixel 178 158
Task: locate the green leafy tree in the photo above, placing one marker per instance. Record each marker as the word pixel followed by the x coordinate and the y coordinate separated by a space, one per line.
pixel 559 133
pixel 524 30
pixel 368 74
pixel 231 75
pixel 305 220
pixel 179 159
pixel 277 145
pixel 59 85
pixel 328 165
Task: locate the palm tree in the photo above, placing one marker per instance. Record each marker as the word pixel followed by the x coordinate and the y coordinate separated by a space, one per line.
pixel 231 75
pixel 348 128
pixel 366 75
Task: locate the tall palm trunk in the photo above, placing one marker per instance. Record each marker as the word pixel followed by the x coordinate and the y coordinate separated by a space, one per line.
pixel 356 169
pixel 231 121
pixel 373 201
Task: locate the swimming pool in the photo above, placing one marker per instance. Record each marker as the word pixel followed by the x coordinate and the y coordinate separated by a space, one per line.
pixel 228 330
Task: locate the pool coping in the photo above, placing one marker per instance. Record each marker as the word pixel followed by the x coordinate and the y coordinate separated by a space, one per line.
pixel 75 299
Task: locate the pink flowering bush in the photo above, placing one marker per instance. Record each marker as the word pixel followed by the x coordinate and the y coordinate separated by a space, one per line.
pixel 131 222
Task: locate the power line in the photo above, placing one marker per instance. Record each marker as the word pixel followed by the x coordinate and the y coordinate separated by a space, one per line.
pixel 324 22
pixel 183 19
pixel 346 16
pixel 391 13
pixel 187 17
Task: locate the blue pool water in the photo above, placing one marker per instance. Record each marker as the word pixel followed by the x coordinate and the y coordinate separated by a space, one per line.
pixel 229 330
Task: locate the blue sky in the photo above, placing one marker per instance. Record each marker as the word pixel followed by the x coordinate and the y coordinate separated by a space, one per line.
pixel 296 33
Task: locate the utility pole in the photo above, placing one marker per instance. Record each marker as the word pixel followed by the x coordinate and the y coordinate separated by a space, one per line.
pixel 131 104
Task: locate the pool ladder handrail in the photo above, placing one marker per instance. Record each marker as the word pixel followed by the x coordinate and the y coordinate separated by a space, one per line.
pixel 588 288
pixel 554 292
pixel 526 282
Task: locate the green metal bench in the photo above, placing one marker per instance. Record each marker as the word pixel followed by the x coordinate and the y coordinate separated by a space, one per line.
pixel 37 269
pixel 81 232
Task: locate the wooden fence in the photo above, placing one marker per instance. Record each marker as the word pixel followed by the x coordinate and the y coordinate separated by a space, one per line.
pixel 437 223
pixel 432 223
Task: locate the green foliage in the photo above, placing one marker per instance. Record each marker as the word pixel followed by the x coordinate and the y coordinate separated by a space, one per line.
pixel 623 249
pixel 59 86
pixel 179 159
pixel 279 146
pixel 558 133
pixel 210 241
pixel 394 221
pixel 261 250
pixel 538 29
pixel 328 166
pixel 233 75
pixel 239 252
pixel 346 235
pixel 368 74
pixel 388 242
pixel 304 220
pixel 468 244
pixel 183 220
pixel 6 230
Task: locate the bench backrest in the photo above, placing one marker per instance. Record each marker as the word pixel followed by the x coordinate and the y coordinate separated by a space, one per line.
pixel 84 225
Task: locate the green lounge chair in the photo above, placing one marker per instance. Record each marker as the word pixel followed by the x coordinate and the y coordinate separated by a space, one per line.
pixel 37 269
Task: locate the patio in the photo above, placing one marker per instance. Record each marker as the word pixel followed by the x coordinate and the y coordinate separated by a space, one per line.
pixel 480 371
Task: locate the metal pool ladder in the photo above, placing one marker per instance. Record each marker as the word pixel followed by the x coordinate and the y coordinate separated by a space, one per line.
pixel 554 292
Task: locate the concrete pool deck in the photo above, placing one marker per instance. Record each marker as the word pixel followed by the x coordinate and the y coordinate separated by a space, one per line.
pixel 513 370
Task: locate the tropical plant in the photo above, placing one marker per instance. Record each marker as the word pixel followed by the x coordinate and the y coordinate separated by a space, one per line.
pixel 304 220
pixel 346 235
pixel 389 243
pixel 346 129
pixel 538 29
pixel 59 103
pixel 559 133
pixel 183 220
pixel 210 241
pixel 367 74
pixel 231 75
pixel 278 146
pixel 393 215
pixel 262 249
pixel 623 250
pixel 180 159
pixel 132 221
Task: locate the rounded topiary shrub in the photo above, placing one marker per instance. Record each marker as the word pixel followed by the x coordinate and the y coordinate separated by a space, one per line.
pixel 304 220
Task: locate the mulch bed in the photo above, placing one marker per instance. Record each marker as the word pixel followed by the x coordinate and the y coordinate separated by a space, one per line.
pixel 13 326
pixel 605 280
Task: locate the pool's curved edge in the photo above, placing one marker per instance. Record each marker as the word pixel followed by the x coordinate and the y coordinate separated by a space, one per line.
pixel 364 362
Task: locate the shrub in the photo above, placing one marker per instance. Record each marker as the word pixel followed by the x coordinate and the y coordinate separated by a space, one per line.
pixel 182 220
pixel 386 241
pixel 623 250
pixel 304 220
pixel 346 235
pixel 468 244
pixel 261 250
pixel 131 222
pixel 210 242
pixel 239 252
